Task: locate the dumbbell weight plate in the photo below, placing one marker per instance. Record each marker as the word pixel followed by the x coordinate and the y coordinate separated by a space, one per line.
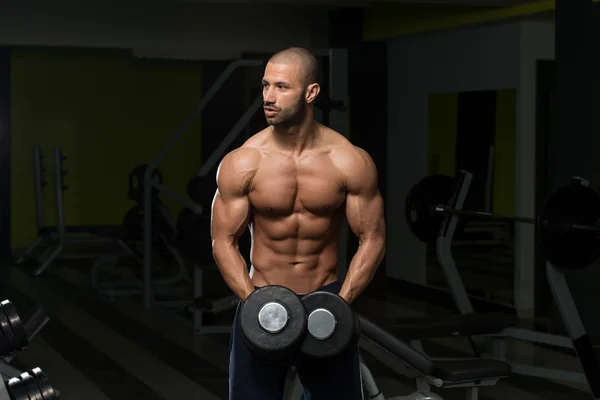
pixel 48 392
pixel 16 325
pixel 331 325
pixel 31 387
pixel 273 322
pixel 17 389
pixel 7 345
pixel 421 199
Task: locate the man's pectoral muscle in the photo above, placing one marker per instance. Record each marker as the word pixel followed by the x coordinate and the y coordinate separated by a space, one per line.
pixel 365 215
pixel 230 215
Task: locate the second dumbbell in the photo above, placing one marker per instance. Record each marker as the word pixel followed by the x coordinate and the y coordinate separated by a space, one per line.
pixel 331 325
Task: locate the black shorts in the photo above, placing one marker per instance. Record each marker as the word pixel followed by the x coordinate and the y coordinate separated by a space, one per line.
pixel 253 378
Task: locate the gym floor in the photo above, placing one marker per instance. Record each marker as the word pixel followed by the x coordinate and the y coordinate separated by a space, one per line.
pixel 96 350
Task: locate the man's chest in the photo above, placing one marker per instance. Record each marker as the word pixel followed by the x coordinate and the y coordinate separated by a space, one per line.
pixel 289 187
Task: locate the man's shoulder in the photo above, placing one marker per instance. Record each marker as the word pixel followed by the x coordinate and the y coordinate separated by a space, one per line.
pixel 257 140
pixel 238 167
pixel 342 147
pixel 348 155
pixel 355 165
pixel 241 159
pixel 248 154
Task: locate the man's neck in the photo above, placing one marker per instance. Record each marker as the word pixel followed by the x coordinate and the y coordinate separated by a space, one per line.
pixel 296 138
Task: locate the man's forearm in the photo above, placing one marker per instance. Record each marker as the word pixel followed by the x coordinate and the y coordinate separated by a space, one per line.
pixel 233 268
pixel 362 268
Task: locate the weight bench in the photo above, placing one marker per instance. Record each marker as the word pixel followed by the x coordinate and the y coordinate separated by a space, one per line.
pixel 440 373
pixel 56 238
pixel 470 374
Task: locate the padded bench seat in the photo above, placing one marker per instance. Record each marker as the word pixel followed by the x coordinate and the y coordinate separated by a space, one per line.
pixel 469 370
pixel 448 325
pixel 450 371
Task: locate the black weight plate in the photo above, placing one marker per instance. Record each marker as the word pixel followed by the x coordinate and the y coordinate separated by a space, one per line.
pixel 133 221
pixel 345 331
pixel 17 390
pixel 193 237
pixel 357 326
pixel 136 182
pixel 561 245
pixel 422 199
pixel 197 225
pixel 273 346
pixel 9 344
pixel 31 387
pixel 21 339
pixel 186 219
pixel 46 389
pixel 202 190
pixel 136 176
pixel 5 343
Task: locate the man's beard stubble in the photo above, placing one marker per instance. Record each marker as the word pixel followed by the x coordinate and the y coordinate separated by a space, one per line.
pixel 289 116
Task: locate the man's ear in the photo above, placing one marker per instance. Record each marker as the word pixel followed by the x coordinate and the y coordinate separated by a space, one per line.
pixel 312 91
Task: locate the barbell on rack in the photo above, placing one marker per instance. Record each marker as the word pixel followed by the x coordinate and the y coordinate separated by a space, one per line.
pixel 567 225
pixel 466 214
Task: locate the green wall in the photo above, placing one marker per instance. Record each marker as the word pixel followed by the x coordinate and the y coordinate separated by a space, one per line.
pixel 385 20
pixel 505 152
pixel 441 144
pixel 109 112
pixel 441 140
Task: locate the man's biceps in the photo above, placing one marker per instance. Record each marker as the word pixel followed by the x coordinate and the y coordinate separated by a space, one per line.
pixel 367 188
pixel 235 212
pixel 373 208
pixel 223 226
pixel 226 201
pixel 366 200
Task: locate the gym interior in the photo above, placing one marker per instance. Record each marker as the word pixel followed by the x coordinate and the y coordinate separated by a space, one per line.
pixel 113 121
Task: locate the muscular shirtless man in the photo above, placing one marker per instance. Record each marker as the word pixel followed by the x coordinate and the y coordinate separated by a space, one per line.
pixel 293 184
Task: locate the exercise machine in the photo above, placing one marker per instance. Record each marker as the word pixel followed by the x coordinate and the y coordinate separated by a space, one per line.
pixel 171 291
pixel 58 242
pixel 568 237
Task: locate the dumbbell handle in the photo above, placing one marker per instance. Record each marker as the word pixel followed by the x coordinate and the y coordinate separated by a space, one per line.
pixel 321 324
pixel 588 228
pixel 273 317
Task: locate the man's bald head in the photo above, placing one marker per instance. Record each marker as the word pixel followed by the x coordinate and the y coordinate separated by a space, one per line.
pixel 308 65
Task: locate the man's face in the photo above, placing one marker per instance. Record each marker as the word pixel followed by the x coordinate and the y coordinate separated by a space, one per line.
pixel 283 93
